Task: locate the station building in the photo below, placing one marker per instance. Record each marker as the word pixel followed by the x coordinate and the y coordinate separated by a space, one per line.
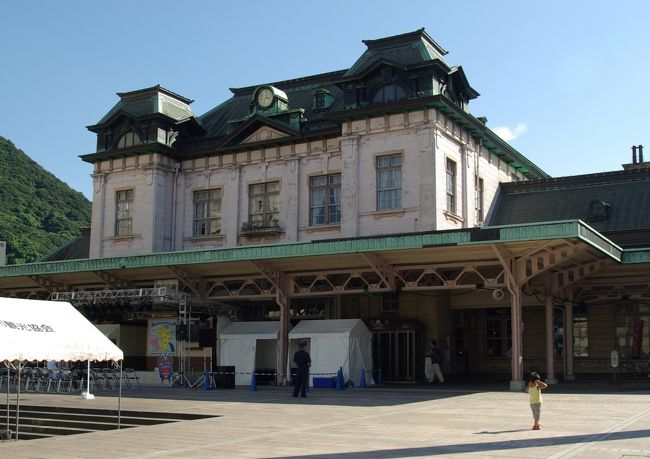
pixel 370 192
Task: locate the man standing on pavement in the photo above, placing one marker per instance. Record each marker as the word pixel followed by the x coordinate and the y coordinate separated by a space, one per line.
pixel 303 361
pixel 436 360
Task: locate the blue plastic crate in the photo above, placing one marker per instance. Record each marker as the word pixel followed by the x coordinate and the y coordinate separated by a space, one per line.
pixel 325 383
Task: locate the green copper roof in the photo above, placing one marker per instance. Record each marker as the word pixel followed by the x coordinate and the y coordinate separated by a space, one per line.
pixel 633 256
pixel 539 231
pixel 406 49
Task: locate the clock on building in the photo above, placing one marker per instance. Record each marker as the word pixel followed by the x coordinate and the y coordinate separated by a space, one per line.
pixel 265 97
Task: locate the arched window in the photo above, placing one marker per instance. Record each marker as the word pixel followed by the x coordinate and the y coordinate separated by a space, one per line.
pixel 129 139
pixel 389 93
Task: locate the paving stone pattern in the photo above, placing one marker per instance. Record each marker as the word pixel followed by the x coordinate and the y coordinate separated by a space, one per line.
pixel 438 421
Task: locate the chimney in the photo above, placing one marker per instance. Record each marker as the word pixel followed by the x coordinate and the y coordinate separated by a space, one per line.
pixel 633 154
pixel 640 154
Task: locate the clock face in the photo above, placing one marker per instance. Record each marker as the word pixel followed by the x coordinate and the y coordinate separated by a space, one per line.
pixel 265 97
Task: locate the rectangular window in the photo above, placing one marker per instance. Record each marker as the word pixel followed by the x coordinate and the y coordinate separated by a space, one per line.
pixel 580 336
pixel 124 213
pixel 498 332
pixel 325 199
pixel 493 330
pixel 389 304
pixel 207 212
pixel 389 182
pixel 479 201
pixel 264 205
pixel 451 186
pixel 632 330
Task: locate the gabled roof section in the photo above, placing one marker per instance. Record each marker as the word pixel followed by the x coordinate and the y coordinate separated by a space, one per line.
pixel 610 202
pixel 243 133
pixel 298 91
pixel 155 100
pixel 76 249
pixel 406 49
pixel 458 74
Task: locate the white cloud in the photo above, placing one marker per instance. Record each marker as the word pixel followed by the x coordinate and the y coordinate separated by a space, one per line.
pixel 508 134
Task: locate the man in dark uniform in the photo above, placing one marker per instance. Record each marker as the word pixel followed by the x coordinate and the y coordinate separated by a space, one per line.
pixel 303 361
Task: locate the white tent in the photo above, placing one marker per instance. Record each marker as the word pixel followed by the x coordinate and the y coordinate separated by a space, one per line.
pixel 345 343
pixel 35 330
pixel 248 345
pixel 50 330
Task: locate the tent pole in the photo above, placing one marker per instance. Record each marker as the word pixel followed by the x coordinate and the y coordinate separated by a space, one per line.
pixel 87 395
pixel 18 400
pixel 8 382
pixel 119 398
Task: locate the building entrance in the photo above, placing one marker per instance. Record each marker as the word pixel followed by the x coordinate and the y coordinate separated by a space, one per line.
pixel 394 352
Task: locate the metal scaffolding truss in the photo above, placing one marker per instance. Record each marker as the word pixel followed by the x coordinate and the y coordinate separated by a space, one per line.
pixel 160 293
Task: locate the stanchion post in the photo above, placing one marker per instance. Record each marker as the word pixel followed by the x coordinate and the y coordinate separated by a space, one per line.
pixel 253 383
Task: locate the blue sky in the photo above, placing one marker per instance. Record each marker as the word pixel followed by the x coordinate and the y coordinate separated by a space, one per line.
pixel 563 81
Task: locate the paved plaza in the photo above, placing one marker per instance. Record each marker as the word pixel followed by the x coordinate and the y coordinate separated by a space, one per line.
pixel 578 420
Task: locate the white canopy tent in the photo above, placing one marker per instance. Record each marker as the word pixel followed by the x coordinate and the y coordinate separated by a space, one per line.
pixel 332 344
pixel 242 346
pixel 35 330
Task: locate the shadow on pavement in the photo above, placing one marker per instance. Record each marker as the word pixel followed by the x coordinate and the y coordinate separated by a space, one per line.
pixel 484 447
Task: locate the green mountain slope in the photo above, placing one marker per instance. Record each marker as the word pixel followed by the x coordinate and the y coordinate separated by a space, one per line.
pixel 38 212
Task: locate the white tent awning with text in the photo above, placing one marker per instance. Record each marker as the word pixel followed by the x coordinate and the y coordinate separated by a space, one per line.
pixel 50 330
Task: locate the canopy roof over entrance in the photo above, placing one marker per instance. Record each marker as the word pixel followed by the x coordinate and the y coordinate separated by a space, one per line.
pixel 432 260
pixel 50 330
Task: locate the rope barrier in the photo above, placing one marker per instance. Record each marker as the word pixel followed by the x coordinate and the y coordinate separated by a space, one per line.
pixel 264 374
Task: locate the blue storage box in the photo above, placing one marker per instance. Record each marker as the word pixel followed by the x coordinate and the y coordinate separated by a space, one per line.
pixel 327 383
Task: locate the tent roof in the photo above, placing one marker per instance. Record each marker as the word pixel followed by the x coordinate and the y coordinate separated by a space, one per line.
pixel 245 330
pixel 307 328
pixel 50 330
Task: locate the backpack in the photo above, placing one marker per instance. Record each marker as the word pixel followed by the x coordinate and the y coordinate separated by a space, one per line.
pixel 436 355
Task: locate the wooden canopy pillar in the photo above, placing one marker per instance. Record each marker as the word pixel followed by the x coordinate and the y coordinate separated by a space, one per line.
pixel 549 329
pixel 517 325
pixel 515 277
pixel 550 348
pixel 569 374
pixel 283 300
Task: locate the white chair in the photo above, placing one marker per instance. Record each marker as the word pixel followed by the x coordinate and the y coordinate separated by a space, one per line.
pixel 132 378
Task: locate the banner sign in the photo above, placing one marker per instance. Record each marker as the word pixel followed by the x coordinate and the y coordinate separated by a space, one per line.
pixel 162 337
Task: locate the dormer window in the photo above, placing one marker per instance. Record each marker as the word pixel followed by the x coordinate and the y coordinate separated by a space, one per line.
pixel 598 211
pixel 319 101
pixel 129 139
pixel 389 93
pixel 322 99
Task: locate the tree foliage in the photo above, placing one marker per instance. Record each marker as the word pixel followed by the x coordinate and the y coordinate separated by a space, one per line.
pixel 38 212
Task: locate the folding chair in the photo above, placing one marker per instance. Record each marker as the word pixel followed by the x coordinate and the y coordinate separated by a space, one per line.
pixel 66 380
pixel 132 378
pixel 41 378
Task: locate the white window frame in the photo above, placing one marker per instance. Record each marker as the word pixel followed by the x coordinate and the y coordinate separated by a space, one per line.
pixel 124 212
pixel 325 200
pixel 207 212
pixel 451 181
pixel 389 181
pixel 268 203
